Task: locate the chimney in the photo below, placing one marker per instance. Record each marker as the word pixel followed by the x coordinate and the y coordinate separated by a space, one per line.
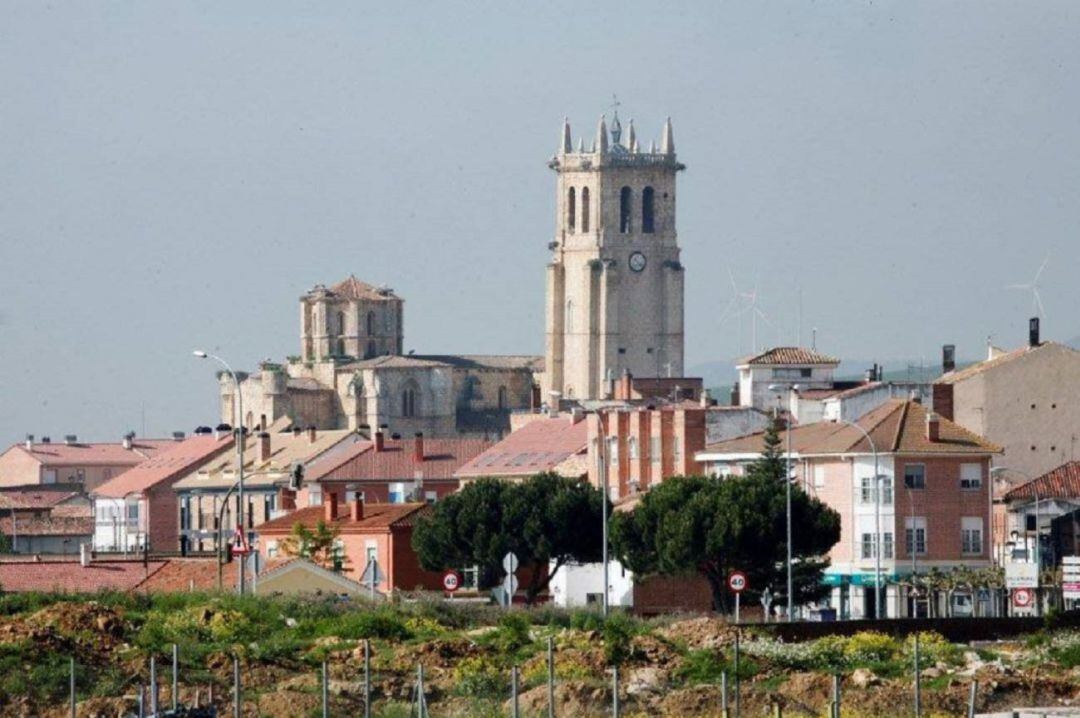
pixel 705 399
pixel 1033 332
pixel 933 427
pixel 311 434
pixel 219 431
pixel 418 448
pixel 70 439
pixel 356 509
pixel 264 447
pixel 576 415
pixel 379 441
pixel 948 358
pixel 29 442
pixel 129 440
pixel 330 506
pixel 178 436
pixel 46 440
pixel 84 554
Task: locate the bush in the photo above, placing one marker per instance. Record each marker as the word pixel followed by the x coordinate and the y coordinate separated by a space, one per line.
pixel 869 647
pixel 479 677
pixel 586 620
pixel 933 648
pixel 707 666
pixel 618 632
pixel 381 623
pixel 1064 649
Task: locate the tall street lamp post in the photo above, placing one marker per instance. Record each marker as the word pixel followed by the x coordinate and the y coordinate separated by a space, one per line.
pixel 877 519
pixel 239 427
pixel 794 388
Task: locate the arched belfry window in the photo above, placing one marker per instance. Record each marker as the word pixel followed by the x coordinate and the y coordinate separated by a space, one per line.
pixel 408 401
pixel 341 322
pixel 571 210
pixel 502 397
pixel 584 209
pixel 648 222
pixel 624 210
pixel 370 323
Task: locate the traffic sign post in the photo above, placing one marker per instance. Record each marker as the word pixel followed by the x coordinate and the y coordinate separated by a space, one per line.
pixel 737 583
pixel 510 583
pixel 1022 597
pixel 451 581
pixel 1070 577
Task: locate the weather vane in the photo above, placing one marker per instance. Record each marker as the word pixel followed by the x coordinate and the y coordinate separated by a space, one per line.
pixel 615 104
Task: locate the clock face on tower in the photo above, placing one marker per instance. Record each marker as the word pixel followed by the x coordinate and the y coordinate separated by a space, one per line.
pixel 637 261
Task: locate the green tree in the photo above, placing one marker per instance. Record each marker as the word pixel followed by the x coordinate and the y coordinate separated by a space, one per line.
pixel 318 545
pixel 546 520
pixel 772 463
pixel 714 526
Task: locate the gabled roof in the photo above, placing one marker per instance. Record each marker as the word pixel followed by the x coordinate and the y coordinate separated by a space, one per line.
pixel 171 463
pixel 396 462
pixel 100 454
pixel 51 525
pixel 787 355
pixel 36 497
pixel 896 427
pixel 71 577
pixel 1060 483
pixel 378 518
pixel 959 375
pixel 541 445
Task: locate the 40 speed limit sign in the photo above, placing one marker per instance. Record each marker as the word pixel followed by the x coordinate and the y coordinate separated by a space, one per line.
pixel 737 582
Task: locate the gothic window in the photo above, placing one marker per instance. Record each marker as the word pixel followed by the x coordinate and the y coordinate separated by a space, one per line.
pixel 569 316
pixel 370 323
pixel 341 322
pixel 340 348
pixel 409 400
pixel 502 397
pixel 624 210
pixel 369 353
pixel 647 213
pixel 584 209
pixel 571 210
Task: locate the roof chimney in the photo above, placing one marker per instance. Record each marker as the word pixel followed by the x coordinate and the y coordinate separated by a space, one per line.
pixel 1033 332
pixel 219 431
pixel 297 431
pixel 356 508
pixel 311 434
pixel 129 440
pixel 418 448
pixel 933 427
pixel 330 506
pixel 46 440
pixel 576 415
pixel 948 358
pixel 178 436
pixel 84 554
pixel 29 442
pixel 264 447
pixel 379 441
pixel 70 439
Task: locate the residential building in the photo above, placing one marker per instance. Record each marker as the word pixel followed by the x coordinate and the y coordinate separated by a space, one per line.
pixel 47 534
pixel 1025 400
pixel 269 458
pixel 389 470
pixel 542 443
pixel 614 297
pixel 784 367
pixel 72 462
pixel 934 496
pixel 374 541
pixel 137 509
pixel 1047 506
pixel 352 373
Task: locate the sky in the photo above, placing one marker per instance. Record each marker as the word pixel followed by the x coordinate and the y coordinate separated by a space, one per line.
pixel 175 175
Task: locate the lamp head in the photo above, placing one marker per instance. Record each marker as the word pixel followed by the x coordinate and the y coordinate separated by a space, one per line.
pixel 199 353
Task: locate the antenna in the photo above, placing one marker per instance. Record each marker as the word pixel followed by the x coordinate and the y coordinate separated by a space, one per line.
pixel 1033 287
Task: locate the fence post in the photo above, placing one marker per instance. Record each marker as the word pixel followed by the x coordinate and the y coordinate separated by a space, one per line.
pixel 615 692
pixel 142 701
pixel 723 695
pixel 153 686
pixel 236 686
pixel 738 697
pixel 175 676
pixel 918 680
pixel 836 695
pixel 325 691
pixel 71 687
pixel 551 676
pixel 367 678
pixel 422 704
pixel 778 712
pixel 971 699
pixel 514 709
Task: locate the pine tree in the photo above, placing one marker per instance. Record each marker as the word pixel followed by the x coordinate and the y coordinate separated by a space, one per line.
pixel 772 465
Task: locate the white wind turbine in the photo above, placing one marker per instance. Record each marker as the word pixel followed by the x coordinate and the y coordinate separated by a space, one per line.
pixel 743 302
pixel 1033 287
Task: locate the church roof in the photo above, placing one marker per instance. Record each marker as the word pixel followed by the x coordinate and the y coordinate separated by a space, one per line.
pixel 353 288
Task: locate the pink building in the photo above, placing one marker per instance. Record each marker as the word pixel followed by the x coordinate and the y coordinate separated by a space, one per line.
pixel 73 462
pixel 935 502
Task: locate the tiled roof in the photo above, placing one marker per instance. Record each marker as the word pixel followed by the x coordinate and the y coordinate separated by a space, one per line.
pixel 171 463
pixel 489 361
pixel 396 361
pixel 48 526
pixel 960 375
pixel 442 457
pixel 788 355
pixel 896 426
pixel 353 288
pixel 36 496
pixel 1060 483
pixel 58 453
pixel 71 577
pixel 196 574
pixel 538 446
pixel 377 517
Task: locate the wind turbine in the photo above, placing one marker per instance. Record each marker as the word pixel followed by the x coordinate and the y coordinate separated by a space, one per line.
pixel 742 303
pixel 1033 287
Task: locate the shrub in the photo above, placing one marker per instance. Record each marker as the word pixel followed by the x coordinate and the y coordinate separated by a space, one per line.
pixel 933 648
pixel 707 666
pixel 380 623
pixel 586 620
pixel 867 647
pixel 1064 648
pixel 618 632
pixel 479 677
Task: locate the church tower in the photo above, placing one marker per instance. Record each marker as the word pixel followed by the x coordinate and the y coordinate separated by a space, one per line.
pixel 614 283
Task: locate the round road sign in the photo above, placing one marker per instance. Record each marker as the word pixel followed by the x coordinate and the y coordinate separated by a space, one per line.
pixel 451 581
pixel 1022 597
pixel 736 581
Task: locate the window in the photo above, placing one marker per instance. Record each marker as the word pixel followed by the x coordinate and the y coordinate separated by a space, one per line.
pixel 631 448
pixel 868 548
pixel 371 350
pixel 868 494
pixel 970 476
pixel 613 450
pixel 584 209
pixel 339 347
pixel 571 210
pixel 792 373
pixel 569 320
pixel 502 397
pixel 340 323
pixel 915 535
pixel 624 210
pixel 971 530
pixel 654 448
pixel 647 221
pixel 80 475
pixel 430 497
pixel 408 402
pixel 397 493
pixel 371 324
pixel 314 497
pixel 915 476
pixel 271 549
pixel 353 494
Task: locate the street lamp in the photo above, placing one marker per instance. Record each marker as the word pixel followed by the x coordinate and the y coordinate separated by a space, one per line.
pixel 239 455
pixel 1038 529
pixel 877 518
pixel 787 495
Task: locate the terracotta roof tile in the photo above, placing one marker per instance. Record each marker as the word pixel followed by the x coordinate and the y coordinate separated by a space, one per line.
pixel 198 574
pixel 71 577
pixel 36 496
pixel 78 454
pixel 1060 483
pixel 353 288
pixel 48 526
pixel 377 517
pixel 541 445
pixel 442 457
pixel 788 355
pixel 171 463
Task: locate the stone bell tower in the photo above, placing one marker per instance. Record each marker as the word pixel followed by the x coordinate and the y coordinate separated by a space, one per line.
pixel 614 283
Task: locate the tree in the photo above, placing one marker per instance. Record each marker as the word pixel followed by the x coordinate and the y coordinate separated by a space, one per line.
pixel 318 545
pixel 546 520
pixel 714 526
pixel 772 463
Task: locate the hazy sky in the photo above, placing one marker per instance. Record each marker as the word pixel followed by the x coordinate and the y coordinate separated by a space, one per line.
pixel 174 175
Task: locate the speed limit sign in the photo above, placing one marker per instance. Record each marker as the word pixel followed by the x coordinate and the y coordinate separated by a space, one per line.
pixel 451 581
pixel 736 581
pixel 1022 597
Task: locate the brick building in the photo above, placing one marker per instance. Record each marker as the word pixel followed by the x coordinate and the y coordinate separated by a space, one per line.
pixel 72 462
